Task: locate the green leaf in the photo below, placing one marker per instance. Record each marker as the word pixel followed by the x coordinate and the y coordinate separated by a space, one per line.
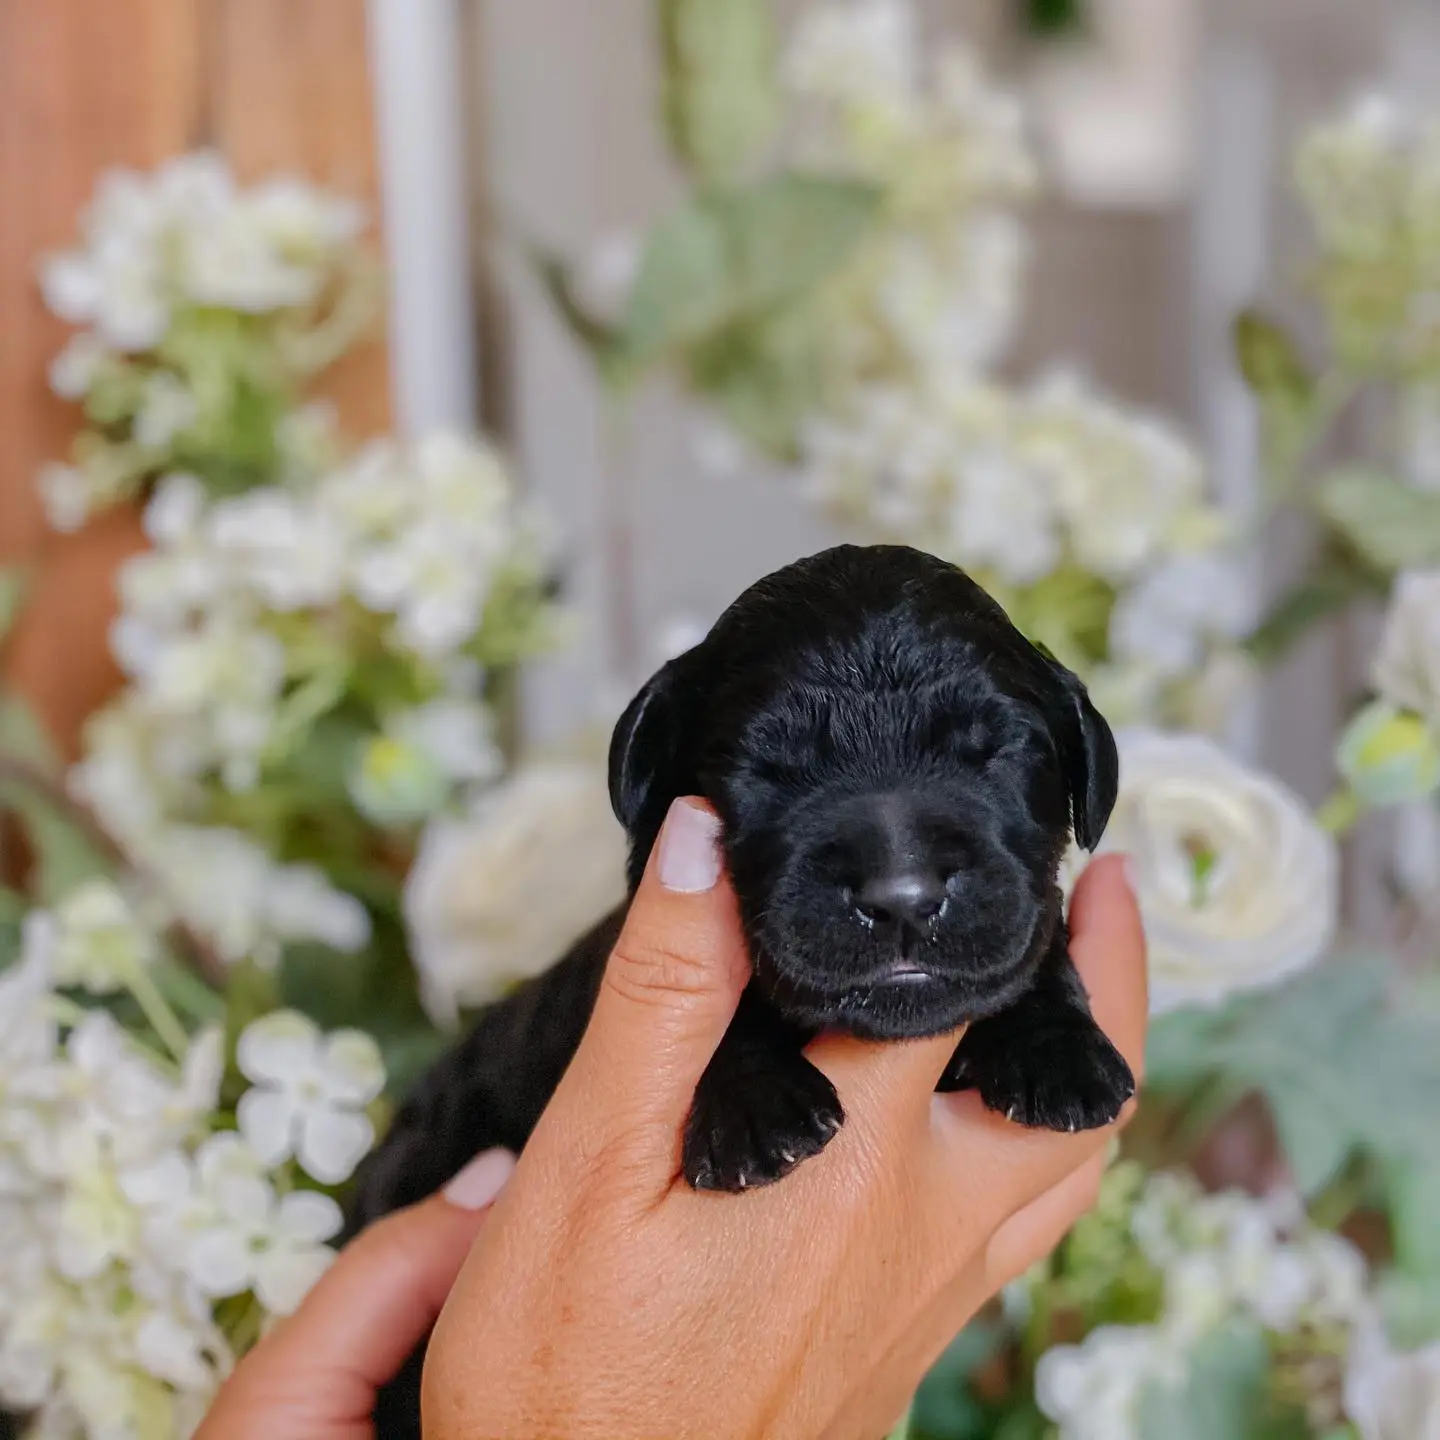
pixel 1337 582
pixel 32 787
pixel 1054 19
pixel 725 257
pixel 1269 360
pixel 596 336
pixel 1392 524
pixel 1341 1072
pixel 14 585
pixel 1224 1396
pixel 945 1405
pixel 720 99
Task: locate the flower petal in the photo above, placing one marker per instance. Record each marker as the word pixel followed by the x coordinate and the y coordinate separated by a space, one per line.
pixel 219 1261
pixel 283 1278
pixel 277 1047
pixel 353 1069
pixel 333 1142
pixel 308 1217
pixel 268 1119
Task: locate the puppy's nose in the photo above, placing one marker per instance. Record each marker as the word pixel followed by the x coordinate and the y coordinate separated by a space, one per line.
pixel 901 899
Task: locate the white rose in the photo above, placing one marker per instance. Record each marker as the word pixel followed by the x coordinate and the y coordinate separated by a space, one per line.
pixel 1407 665
pixel 1392 1396
pixel 496 897
pixel 1236 880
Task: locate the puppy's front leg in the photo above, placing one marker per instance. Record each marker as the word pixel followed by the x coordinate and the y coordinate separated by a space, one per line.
pixel 1044 1062
pixel 761 1107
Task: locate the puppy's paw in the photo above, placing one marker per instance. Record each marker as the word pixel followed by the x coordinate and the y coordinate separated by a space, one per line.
pixel 1063 1075
pixel 752 1128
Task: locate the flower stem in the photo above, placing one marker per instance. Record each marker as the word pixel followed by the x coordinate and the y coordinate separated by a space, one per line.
pixel 161 1017
pixel 190 947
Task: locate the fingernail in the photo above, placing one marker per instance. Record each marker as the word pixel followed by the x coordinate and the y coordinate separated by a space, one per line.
pixel 689 854
pixel 477 1185
pixel 1127 869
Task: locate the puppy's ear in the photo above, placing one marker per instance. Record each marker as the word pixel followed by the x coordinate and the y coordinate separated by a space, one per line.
pixel 649 758
pixel 1088 755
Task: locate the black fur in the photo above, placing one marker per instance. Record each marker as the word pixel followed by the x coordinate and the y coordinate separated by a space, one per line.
pixel 898 772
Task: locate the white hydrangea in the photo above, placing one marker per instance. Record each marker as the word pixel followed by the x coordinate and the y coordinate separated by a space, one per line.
pixel 309 1094
pixel 1390 1394
pixel 859 51
pixel 93 938
pixel 496 897
pixel 123 1218
pixel 1094 1390
pixel 186 235
pixel 430 530
pixel 1166 619
pixel 227 887
pixel 1223 1258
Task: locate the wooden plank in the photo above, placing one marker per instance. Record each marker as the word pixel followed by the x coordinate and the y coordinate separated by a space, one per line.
pixel 292 93
pixel 83 87
pixel 278 85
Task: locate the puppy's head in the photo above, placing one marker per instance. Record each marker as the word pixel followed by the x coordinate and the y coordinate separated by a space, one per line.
pixel 898 771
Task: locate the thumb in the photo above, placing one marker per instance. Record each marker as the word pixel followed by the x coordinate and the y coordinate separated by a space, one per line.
pixel 670 988
pixel 316 1373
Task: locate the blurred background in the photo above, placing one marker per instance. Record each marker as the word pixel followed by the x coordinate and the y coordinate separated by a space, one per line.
pixel 388 388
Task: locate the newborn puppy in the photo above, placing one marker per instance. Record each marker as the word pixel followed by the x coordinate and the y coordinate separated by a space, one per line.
pixel 897 771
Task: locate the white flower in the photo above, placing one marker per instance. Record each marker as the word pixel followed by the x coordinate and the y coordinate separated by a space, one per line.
pixel 309 1094
pixel 1093 1391
pixel 273 1246
pixel 859 50
pixel 227 887
pixel 73 370
pixel 1407 664
pixel 93 938
pixel 1126 484
pixel 408 772
pixel 1236 880
pixel 65 492
pixel 280 547
pixel 495 898
pixel 174 510
pixel 167 409
pixel 1391 1395
pixel 1186 600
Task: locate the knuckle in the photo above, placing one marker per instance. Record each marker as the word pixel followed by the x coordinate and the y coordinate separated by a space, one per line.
pixel 654 972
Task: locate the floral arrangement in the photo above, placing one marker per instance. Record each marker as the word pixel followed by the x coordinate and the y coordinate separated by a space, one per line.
pixel 834 293
pixel 208 1003
pixel 839 290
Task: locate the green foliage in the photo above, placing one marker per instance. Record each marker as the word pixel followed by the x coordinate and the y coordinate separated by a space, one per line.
pixel 720 103
pixel 1054 19
pixel 1224 1397
pixel 1338 580
pixel 1390 523
pixel 946 1407
pixel 1342 1074
pixel 14 585
pixel 32 790
pixel 727 258
pixel 1410 1291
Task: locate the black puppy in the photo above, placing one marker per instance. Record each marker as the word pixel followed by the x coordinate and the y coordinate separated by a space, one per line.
pixel 897 771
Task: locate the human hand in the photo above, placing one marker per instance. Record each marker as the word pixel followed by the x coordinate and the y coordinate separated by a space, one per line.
pixel 606 1298
pixel 315 1376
